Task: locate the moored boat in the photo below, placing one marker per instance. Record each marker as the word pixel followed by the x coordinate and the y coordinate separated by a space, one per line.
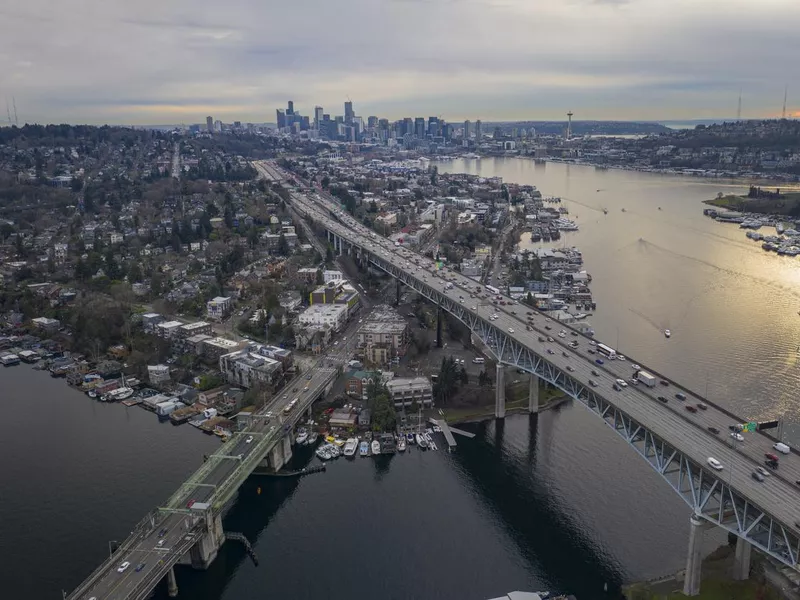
pixel 376 447
pixel 667 333
pixel 421 441
pixel 350 447
pixel 401 444
pixel 364 449
pixel 302 437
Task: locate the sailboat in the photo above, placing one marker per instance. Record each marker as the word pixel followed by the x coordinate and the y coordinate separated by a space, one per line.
pixel 121 393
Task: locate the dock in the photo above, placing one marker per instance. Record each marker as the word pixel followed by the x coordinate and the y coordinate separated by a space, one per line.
pixel 449 431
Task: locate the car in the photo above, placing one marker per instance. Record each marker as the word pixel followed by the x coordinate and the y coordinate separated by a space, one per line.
pixel 160 543
pixel 190 503
pixel 663 382
pixel 163 532
pixel 737 436
pixel 548 327
pixel 616 387
pixel 592 383
pixel 714 463
pixel 757 476
pixel 294 389
pixel 620 357
pixel 550 351
pixel 249 439
pixel 621 383
pixel 680 396
pixel 123 567
pixel 702 406
pixel 663 399
pixel 735 427
pixel 575 333
pixel 771 456
pixel 541 339
pixel 713 430
pixel 691 408
pixel 590 351
pixel 549 339
pixel 570 369
pixel 595 373
pixel 561 334
pixel 140 566
pixel 241 457
pixel 763 471
pixel 599 361
pixel 635 367
pixel 474 307
pixel 772 464
pixel 634 381
pixel 564 354
pixel 510 330
pixel 309 376
pixel 592 343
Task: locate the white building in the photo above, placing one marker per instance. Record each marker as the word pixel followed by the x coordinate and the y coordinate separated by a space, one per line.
pixel 158 373
pixel 405 390
pixel 335 276
pixel 218 308
pixel 327 315
pixel 168 329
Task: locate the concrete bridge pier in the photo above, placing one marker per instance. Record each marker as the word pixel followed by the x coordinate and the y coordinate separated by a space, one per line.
pixel 500 393
pixel 533 394
pixel 741 562
pixel 439 326
pixel 397 293
pixel 172 584
pixel 691 582
pixel 205 551
pixel 281 453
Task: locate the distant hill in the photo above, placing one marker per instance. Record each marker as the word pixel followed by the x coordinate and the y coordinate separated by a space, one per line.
pixel 582 127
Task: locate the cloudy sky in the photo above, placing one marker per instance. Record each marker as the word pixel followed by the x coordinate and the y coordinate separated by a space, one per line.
pixel 176 61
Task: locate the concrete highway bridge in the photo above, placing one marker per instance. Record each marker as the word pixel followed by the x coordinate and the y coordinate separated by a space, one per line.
pixel 654 421
pixel 187 528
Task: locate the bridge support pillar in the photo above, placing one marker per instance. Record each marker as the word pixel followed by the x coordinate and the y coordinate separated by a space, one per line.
pixel 439 327
pixel 533 394
pixel 691 581
pixel 203 553
pixel 741 563
pixel 500 393
pixel 397 293
pixel 172 584
pixel 287 447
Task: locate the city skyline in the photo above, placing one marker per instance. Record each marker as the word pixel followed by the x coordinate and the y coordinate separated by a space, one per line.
pixel 148 63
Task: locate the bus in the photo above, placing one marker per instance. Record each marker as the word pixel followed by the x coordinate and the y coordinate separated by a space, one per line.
pixel 609 353
pixel 492 289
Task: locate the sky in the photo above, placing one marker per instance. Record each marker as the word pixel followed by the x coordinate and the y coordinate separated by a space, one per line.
pixel 176 61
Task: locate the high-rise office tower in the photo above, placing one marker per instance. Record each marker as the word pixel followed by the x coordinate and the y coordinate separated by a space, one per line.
pixel 290 108
pixel 210 124
pixel 372 122
pixel 433 126
pixel 478 132
pixel 317 116
pixel 280 118
pixel 348 112
pixel 466 129
pixel 419 127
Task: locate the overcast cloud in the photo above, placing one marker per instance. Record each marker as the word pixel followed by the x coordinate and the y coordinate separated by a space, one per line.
pixel 173 61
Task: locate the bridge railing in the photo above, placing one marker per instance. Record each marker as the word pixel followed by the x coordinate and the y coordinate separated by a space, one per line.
pixel 143 525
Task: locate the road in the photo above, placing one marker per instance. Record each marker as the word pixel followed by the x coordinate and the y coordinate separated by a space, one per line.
pixel 670 421
pixel 181 527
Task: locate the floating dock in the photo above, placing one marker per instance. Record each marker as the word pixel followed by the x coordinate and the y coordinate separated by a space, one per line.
pixel 449 431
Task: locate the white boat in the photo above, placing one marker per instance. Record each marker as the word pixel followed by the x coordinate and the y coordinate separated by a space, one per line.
pixel 350 447
pixel 323 452
pixel 421 441
pixel 121 393
pixel 376 447
pixel 334 451
pixel 667 333
pixel 312 438
pixel 401 444
pixel 364 449
pixel 302 437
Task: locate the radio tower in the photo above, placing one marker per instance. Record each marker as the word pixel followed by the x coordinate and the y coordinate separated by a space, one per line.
pixel 8 112
pixel 569 125
pixel 14 102
pixel 785 91
pixel 739 107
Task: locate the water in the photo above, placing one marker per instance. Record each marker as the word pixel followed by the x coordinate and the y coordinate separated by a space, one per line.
pixel 554 503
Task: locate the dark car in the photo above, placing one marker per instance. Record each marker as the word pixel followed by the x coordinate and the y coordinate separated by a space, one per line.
pixel 549 351
pixel 570 369
pixel 595 373
pixel 593 383
pixel 139 567
pixel 772 464
pixel 541 339
pixel 713 430
pixel 663 399
pixel 616 387
pixel 548 327
pixel 575 333
pixel 680 396
pixel 162 533
pixel 564 354
pixel 735 427
pixel 691 408
pixel 590 351
pixel 599 361
pixel 663 382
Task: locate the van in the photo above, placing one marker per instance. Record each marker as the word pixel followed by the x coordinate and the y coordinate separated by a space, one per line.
pixel 782 448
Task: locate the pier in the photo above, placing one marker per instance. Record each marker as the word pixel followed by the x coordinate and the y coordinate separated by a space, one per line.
pixel 448 432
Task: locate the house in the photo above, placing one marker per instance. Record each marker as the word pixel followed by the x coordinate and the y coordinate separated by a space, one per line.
pixel 219 308
pixel 359 381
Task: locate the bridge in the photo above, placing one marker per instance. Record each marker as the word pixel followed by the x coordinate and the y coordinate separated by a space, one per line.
pixel 187 529
pixel 653 421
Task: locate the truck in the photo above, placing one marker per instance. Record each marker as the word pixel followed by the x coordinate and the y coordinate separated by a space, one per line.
pixel 210 413
pixel 646 378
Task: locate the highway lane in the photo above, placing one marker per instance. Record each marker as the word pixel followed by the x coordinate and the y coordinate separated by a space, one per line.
pixel 672 422
pixel 145 549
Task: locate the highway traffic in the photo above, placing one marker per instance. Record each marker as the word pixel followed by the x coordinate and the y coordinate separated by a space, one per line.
pixel 701 435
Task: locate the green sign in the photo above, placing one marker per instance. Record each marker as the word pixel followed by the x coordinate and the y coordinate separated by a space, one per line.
pixel 749 427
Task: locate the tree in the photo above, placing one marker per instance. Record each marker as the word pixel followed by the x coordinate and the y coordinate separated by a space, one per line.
pixel 283 246
pixel 135 273
pixel 464 376
pixel 483 379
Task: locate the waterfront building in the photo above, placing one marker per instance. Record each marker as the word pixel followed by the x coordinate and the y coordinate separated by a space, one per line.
pixel 404 391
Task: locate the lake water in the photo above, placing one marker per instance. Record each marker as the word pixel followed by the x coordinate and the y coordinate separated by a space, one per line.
pixel 550 502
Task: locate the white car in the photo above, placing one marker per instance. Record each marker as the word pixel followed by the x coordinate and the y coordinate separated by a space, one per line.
pixel 510 330
pixel 714 464
pixel 635 367
pixel 622 383
pixel 249 439
pixel 620 357
pixel 737 436
pixel 561 334
pixel 123 567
